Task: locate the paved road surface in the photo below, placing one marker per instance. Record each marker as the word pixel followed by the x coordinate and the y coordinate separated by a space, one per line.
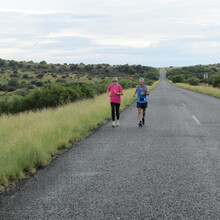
pixel 169 169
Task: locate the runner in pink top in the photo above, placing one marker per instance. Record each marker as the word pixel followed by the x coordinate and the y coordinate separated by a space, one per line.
pixel 115 92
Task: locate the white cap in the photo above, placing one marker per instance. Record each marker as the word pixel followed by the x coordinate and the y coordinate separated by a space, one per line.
pixel 115 79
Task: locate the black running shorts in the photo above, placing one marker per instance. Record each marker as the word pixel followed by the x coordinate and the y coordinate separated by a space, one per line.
pixel 142 105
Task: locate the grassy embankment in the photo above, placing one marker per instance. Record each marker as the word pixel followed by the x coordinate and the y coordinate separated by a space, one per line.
pixel 209 90
pixel 30 139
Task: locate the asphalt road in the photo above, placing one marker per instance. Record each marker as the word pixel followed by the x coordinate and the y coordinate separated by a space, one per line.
pixel 169 169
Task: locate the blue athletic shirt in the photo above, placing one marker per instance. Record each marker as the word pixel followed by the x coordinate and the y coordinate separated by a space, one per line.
pixel 139 90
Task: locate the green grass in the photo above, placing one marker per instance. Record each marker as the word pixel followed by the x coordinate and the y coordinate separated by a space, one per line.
pixel 30 139
pixel 208 90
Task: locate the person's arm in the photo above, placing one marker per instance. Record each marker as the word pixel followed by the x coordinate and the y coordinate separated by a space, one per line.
pixel 147 91
pixel 119 93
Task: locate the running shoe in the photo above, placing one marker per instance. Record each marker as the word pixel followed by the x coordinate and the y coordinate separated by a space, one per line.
pixel 143 122
pixel 113 124
pixel 117 123
pixel 140 124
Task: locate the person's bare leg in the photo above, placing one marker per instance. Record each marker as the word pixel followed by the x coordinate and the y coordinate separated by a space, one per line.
pixel 140 114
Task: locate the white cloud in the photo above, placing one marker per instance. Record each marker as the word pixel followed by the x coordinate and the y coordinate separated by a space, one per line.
pixel 128 43
pixel 35 12
pixel 146 28
pixel 209 47
pixel 106 40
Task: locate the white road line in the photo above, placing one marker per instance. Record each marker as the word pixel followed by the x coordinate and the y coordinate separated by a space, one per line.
pixel 197 121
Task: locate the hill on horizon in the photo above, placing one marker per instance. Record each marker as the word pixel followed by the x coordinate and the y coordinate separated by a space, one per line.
pixel 29 75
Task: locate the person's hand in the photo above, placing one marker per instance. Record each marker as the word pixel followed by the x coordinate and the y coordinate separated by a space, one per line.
pixel 115 92
pixel 143 93
pixel 134 95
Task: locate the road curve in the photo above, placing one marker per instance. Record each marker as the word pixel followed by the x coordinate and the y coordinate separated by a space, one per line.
pixel 169 169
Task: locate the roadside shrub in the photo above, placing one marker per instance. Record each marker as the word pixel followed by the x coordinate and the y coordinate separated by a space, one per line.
pixel 125 83
pixel 39 83
pixel 216 80
pixel 57 94
pixel 152 75
pixel 11 104
pixel 178 79
pixel 52 95
pixel 149 82
pixel 25 76
pixel 193 81
pixel 101 87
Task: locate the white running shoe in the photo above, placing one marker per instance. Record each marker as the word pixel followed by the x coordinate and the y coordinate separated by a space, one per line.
pixel 113 124
pixel 117 123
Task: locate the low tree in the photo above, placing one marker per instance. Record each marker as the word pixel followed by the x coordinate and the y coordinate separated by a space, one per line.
pixel 178 79
pixel 13 83
pixel 40 76
pixel 193 81
pixel 25 76
pixel 216 80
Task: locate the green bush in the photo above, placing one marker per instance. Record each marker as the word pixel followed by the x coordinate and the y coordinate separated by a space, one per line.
pixel 25 76
pixel 39 76
pixel 57 94
pixel 216 80
pixel 193 81
pixel 152 75
pixel 13 82
pixel 191 71
pixel 1 87
pixel 149 82
pixel 52 95
pixel 30 86
pixel 39 83
pixel 11 104
pixel 125 83
pixel 178 79
pixel 10 88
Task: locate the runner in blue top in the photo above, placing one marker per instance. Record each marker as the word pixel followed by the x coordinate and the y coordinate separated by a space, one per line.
pixel 142 93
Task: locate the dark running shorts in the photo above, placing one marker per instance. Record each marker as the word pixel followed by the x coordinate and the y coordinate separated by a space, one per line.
pixel 142 105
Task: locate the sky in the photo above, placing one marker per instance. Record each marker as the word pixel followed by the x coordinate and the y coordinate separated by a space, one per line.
pixel 148 32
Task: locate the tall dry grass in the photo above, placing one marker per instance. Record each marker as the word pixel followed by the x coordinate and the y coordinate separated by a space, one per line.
pixel 28 140
pixel 208 90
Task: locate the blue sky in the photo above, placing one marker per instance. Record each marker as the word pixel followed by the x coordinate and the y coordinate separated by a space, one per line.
pixel 148 32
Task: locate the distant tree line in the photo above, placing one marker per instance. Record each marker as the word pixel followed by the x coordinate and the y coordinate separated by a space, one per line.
pixel 195 75
pixel 29 75
pixel 93 69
